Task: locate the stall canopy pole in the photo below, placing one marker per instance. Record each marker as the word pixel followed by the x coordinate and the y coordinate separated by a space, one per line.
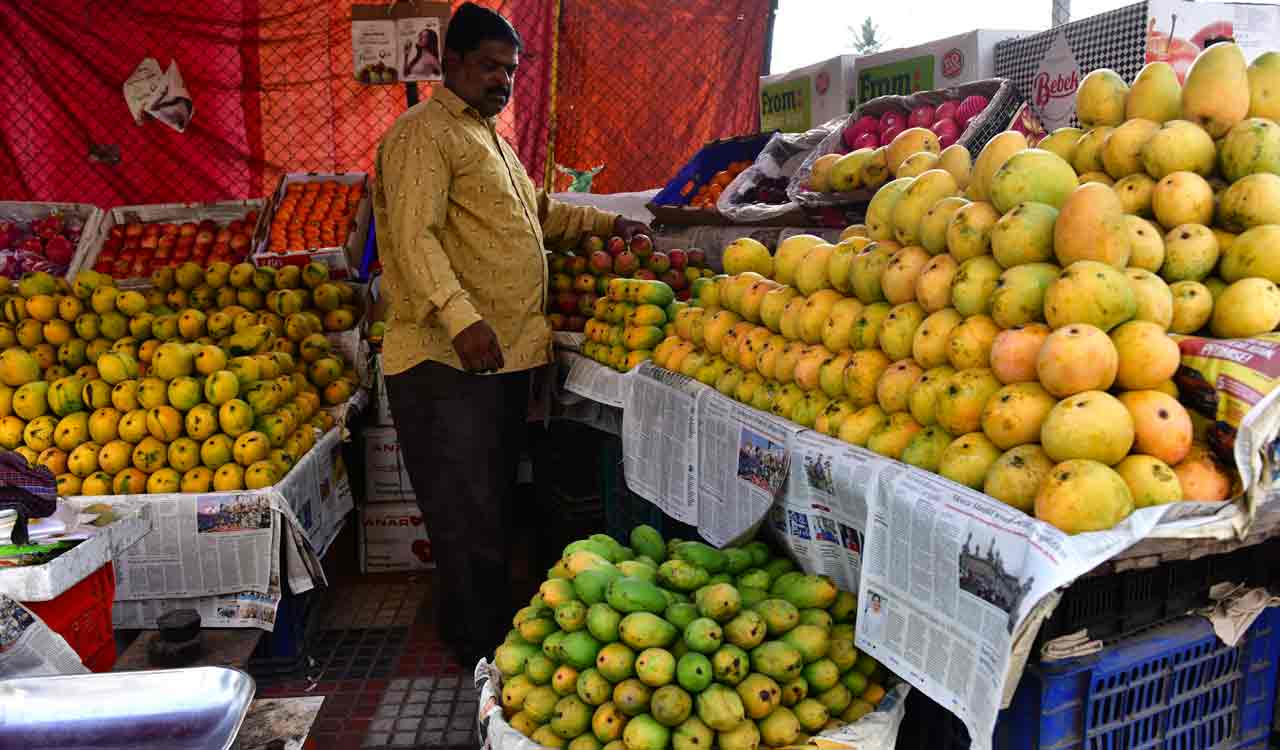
pixel 1061 11
pixel 549 172
pixel 766 63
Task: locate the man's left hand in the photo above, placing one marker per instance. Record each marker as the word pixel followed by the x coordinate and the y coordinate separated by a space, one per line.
pixel 626 228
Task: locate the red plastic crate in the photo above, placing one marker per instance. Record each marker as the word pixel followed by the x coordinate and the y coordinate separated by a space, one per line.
pixel 82 615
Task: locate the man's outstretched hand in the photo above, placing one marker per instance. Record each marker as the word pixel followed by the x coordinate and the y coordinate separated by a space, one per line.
pixel 478 348
pixel 626 228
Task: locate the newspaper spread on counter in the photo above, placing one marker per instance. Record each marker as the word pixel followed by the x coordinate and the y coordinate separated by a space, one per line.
pixel 592 380
pixel 660 440
pixel 744 456
pixel 28 648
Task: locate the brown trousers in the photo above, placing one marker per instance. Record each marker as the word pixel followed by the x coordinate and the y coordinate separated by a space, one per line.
pixel 460 436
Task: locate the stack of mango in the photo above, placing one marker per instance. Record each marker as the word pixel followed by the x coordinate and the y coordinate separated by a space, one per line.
pixel 677 644
pixel 628 322
pixel 212 379
pixel 1015 326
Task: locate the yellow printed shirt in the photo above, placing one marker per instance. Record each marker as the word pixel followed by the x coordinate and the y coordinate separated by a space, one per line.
pixel 460 230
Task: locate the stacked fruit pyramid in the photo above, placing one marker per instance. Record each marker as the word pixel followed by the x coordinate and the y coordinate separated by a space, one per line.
pixel 211 379
pixel 628 322
pixel 678 644
pixel 1014 327
pixel 580 277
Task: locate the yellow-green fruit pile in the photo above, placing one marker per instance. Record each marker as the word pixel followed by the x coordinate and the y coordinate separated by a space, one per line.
pixel 629 322
pixel 213 379
pixel 1013 324
pixel 678 644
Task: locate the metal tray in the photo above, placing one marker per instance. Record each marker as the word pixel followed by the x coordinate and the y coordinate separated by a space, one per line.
pixel 199 708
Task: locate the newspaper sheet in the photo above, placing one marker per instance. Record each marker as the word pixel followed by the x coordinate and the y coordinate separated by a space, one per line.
pixel 593 380
pixel 660 440
pixel 744 456
pixel 28 648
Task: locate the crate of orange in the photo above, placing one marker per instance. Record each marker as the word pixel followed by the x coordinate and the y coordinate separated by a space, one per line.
pixel 316 217
pixel 690 197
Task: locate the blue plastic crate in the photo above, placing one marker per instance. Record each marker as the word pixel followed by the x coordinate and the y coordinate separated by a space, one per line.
pixel 1175 687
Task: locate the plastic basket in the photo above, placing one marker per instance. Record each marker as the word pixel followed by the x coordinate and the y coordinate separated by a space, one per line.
pixel 1175 686
pixel 671 204
pixel 82 616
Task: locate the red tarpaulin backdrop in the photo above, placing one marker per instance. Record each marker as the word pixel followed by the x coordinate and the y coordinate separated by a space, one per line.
pixel 639 89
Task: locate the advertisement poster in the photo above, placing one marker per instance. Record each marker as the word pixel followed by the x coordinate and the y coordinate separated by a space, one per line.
pixel 403 41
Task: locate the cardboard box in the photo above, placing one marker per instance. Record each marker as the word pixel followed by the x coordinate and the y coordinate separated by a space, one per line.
pixel 343 261
pixel 221 212
pixel 803 98
pixel 393 538
pixel 1047 67
pixel 386 476
pixel 936 65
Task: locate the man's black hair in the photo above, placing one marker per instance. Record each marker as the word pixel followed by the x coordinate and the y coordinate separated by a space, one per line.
pixel 472 24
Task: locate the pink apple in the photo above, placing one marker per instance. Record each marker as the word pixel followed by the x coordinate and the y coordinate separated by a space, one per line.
pixel 646 274
pixel 642 246
pixel 567 303
pixel 616 246
pixel 921 116
pixel 946 129
pixel 625 263
pixel 888 134
pixel 946 109
pixel 658 262
pixel 679 259
pixel 970 108
pixel 864 124
pixel 890 119
pixel 697 258
pixel 577 264
pixel 600 262
pixel 867 140
pixel 675 279
pixel 59 250
pixel 583 283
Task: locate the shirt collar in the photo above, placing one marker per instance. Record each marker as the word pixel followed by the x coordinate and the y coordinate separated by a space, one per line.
pixel 455 105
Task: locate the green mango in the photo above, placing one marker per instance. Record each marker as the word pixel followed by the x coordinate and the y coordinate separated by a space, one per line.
pixel 641 630
pixel 703 555
pixel 778 660
pixel 633 595
pixel 648 542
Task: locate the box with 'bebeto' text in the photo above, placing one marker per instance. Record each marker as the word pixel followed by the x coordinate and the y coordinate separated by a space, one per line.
pixel 386 475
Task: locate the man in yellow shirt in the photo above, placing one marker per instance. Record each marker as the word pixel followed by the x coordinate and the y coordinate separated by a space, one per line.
pixel 460 231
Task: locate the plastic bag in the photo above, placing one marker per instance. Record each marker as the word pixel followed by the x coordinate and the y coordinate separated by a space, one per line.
pixel 1220 380
pixel 1002 101
pixel 780 158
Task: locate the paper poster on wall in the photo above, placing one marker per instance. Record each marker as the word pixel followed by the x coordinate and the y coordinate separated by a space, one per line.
pixel 403 41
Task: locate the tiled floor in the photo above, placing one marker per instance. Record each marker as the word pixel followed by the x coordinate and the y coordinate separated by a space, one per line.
pixel 388 681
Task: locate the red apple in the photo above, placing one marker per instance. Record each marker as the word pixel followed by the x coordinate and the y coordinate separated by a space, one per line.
pixel 970 108
pixel 921 117
pixel 642 246
pixel 120 269
pixel 583 283
pixel 625 263
pixel 236 226
pixel 888 134
pixel 600 262
pixel 239 242
pixel 150 230
pixel 946 110
pixel 617 246
pixel 33 245
pixel 892 118
pixel 108 255
pixel 697 258
pixel 946 129
pixel 864 124
pixel 567 303
pixel 204 237
pixel 587 303
pixel 645 274
pixel 590 244
pixel 659 263
pixel 59 250
pixel 163 253
pixel 149 242
pixel 133 230
pixel 561 282
pixel 221 235
pixel 188 229
pixel 139 267
pixel 576 264
pixel 675 279
pixel 103 266
pixel 684 295
pixel 867 140
pixel 116 232
pixel 556 321
pixel 557 263
pixel 679 259
pixel 575 323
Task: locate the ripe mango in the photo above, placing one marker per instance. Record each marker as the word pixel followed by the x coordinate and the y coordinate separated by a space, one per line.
pixel 1062 142
pixel 1248 307
pixel 1122 148
pixel 1215 94
pixel 974 284
pixel 968 459
pixel 1250 202
pixel 969 344
pixel 1150 481
pixel 969 231
pixel 1155 94
pixel 880 210
pixel 1014 414
pixel 919 197
pixel 1155 301
pixel 1089 292
pixel 1077 358
pixel 1193 306
pixel 1032 175
pixel 1081 495
pixel 1087 160
pixel 960 405
pixel 1091 425
pixel 1252 146
pixel 1024 234
pixel 1019 294
pixel 933 285
pixel 1091 226
pixel 990 159
pixel 1100 99
pixel 925 449
pixel 1015 477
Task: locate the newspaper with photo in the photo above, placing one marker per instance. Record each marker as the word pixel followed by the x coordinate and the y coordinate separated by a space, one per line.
pixel 29 648
pixel 743 460
pixel 660 440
